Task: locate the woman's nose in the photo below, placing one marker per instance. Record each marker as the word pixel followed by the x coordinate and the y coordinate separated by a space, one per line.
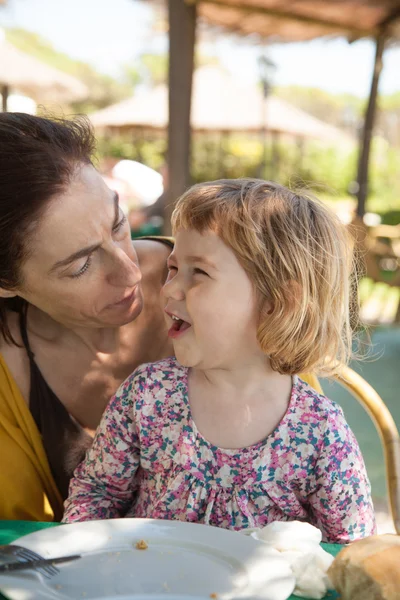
pixel 124 271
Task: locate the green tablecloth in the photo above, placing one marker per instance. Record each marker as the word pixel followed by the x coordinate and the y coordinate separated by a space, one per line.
pixel 12 530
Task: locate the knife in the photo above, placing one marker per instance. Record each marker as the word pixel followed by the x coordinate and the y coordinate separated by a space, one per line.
pixel 34 564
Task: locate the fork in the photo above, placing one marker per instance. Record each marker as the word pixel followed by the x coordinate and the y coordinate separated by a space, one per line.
pixel 23 554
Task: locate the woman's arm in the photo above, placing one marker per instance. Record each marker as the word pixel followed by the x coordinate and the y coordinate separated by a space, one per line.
pixel 104 484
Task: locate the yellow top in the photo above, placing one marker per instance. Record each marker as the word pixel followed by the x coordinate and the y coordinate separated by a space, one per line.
pixel 27 488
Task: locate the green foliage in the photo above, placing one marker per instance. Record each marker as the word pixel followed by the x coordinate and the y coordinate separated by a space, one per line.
pixel 152 69
pixel 331 167
pixel 390 102
pixel 326 171
pixel 331 108
pixel 133 147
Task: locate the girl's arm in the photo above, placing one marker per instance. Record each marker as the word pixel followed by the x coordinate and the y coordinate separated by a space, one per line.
pixel 104 484
pixel 341 505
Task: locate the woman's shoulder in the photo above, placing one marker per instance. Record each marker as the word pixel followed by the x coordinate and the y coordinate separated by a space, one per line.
pixel 152 255
pixel 14 358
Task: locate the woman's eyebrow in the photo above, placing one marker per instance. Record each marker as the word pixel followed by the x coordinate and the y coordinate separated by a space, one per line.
pixel 89 249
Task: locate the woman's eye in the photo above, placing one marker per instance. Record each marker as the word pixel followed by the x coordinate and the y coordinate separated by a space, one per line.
pixel 120 224
pixel 83 269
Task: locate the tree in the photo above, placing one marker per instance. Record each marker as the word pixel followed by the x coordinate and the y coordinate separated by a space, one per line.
pixel 104 90
pixel 152 69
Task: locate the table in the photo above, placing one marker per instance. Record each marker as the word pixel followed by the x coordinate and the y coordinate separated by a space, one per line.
pixel 12 530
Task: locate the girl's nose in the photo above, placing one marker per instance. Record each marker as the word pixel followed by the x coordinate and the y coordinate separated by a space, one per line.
pixel 173 288
pixel 124 271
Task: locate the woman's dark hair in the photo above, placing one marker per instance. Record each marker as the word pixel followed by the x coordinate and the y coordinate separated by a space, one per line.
pixel 38 158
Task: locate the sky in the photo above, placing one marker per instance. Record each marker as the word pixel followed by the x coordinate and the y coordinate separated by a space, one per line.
pixel 109 34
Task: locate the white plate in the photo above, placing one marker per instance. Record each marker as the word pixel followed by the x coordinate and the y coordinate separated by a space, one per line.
pixel 182 561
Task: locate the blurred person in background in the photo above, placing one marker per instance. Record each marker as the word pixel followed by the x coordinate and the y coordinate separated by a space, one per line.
pixel 143 189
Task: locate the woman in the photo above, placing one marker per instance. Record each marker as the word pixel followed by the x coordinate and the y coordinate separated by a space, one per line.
pixel 77 314
pixel 73 322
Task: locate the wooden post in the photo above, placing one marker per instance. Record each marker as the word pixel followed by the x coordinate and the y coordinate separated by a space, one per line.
pixel 363 161
pixel 182 30
pixel 4 92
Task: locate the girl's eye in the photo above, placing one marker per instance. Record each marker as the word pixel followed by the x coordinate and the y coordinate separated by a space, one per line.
pixel 198 271
pixel 120 224
pixel 83 269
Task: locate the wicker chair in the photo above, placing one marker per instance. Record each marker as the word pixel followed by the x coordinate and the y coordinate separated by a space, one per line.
pixel 387 430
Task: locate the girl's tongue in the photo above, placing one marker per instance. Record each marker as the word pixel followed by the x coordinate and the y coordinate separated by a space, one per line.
pixel 180 325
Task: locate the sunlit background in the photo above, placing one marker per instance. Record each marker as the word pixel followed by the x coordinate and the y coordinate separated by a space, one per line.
pixel 291 112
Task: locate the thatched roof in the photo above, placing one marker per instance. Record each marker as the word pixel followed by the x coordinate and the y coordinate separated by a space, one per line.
pixel 298 20
pixel 35 78
pixel 220 103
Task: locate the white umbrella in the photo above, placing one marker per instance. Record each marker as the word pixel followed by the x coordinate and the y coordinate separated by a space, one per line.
pixel 145 185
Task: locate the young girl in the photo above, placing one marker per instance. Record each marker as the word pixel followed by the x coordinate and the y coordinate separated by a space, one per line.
pixel 226 433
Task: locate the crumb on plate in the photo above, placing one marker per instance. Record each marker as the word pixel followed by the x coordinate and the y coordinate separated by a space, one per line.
pixel 214 595
pixel 141 545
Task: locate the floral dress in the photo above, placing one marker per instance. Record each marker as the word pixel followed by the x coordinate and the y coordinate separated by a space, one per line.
pixel 149 460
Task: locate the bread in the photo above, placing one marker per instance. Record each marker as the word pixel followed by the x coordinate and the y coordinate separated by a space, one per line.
pixel 368 569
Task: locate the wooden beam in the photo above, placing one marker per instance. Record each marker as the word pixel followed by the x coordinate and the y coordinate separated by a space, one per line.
pixel 182 33
pixel 4 93
pixel 249 9
pixel 363 161
pixel 392 18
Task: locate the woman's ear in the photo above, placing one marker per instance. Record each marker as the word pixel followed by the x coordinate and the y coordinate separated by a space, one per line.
pixel 7 293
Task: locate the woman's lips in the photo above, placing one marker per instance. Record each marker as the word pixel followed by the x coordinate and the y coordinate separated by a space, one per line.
pixel 127 300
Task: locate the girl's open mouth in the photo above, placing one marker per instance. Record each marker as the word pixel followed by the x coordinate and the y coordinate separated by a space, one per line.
pixel 179 326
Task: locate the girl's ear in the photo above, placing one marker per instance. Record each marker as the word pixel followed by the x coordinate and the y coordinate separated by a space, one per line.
pixel 266 307
pixel 7 293
pixel 293 293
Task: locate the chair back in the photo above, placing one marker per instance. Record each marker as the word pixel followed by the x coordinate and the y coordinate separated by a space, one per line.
pixel 387 431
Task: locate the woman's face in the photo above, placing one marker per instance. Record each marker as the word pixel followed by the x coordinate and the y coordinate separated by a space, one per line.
pixel 82 269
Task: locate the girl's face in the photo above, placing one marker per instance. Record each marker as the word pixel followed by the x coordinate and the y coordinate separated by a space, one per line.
pixel 210 304
pixel 82 269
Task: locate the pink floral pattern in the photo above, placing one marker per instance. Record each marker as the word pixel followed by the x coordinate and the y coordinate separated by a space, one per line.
pixel 149 460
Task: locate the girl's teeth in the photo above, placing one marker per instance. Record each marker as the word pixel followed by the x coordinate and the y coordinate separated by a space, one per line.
pixel 174 318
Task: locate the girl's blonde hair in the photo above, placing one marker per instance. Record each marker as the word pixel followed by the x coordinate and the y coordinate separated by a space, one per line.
pixel 299 257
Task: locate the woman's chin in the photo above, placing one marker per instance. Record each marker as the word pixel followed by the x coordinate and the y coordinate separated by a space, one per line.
pixel 135 309
pixel 119 317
